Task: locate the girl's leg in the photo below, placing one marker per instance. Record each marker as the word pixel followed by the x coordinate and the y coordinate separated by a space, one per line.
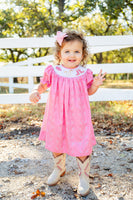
pixel 84 168
pixel 59 168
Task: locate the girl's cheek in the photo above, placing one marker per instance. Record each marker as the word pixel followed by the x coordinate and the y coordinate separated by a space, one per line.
pixel 65 56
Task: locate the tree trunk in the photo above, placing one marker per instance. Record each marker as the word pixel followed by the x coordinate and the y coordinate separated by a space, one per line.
pixel 127 76
pixel 99 58
pixel 61 9
pixel 15 80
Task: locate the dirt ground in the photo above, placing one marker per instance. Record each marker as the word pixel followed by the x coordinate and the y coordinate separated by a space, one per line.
pixel 25 165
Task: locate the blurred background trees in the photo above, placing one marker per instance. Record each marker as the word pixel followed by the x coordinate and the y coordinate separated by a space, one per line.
pixel 36 18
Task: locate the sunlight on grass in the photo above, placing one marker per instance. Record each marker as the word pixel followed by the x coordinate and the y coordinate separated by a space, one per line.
pixel 120 84
pixel 116 109
pixel 5 90
pixel 113 108
pixel 22 111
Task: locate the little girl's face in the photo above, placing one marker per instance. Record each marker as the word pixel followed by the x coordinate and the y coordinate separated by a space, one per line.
pixel 71 54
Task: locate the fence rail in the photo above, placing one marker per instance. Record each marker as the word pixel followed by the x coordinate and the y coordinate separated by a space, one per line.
pixel 103 94
pixel 33 71
pixel 26 69
pixel 23 71
pixel 96 43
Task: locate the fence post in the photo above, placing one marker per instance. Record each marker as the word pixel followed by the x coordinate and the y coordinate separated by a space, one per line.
pixel 11 89
pixel 30 78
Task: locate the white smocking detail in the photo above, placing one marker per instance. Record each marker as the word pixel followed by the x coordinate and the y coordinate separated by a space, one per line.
pixel 66 72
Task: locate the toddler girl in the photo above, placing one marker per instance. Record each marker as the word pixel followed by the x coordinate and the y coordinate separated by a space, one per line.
pixel 67 126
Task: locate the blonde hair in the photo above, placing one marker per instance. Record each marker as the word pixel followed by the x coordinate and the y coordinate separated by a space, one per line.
pixel 72 36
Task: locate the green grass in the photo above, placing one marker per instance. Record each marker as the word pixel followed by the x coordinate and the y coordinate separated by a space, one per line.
pixel 21 111
pixel 5 90
pixel 117 110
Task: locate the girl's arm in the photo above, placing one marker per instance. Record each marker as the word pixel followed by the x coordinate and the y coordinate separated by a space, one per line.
pixel 98 80
pixel 35 95
pixel 40 88
pixel 92 89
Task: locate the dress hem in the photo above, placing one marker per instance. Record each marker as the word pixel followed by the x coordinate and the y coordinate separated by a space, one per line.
pixel 70 154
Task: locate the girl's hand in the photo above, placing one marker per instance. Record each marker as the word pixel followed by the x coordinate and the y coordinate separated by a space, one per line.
pixel 98 80
pixel 35 96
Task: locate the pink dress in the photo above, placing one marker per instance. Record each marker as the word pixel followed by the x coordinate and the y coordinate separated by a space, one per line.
pixel 67 126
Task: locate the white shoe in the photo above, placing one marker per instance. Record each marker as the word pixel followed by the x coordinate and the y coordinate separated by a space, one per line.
pixel 84 168
pixel 58 171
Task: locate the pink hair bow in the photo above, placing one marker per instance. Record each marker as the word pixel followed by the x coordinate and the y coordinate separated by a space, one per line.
pixel 60 36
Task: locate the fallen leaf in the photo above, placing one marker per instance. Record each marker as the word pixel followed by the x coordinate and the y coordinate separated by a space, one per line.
pixel 112 131
pixel 42 194
pixel 98 186
pixel 110 175
pixel 107 168
pixel 38 192
pixel 122 164
pixel 128 149
pixel 91 176
pixel 76 195
pixel 110 141
pixel 96 175
pixel 18 172
pixel 34 196
pixel 129 169
pixel 130 161
pixel 95 166
pixel 1 126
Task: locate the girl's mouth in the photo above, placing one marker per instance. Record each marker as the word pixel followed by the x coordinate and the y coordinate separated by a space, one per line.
pixel 72 60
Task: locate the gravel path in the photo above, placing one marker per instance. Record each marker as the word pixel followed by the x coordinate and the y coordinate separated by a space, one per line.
pixel 25 166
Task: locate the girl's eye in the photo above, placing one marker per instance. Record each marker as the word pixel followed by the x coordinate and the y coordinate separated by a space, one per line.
pixel 66 51
pixel 76 51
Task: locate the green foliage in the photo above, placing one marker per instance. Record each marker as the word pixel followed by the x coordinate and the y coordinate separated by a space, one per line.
pixel 106 110
pixel 114 8
pixel 98 25
pixel 36 18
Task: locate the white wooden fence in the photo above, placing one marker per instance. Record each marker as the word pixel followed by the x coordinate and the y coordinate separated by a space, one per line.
pixel 26 69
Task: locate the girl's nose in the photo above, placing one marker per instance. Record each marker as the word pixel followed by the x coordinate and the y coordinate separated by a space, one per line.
pixel 72 54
